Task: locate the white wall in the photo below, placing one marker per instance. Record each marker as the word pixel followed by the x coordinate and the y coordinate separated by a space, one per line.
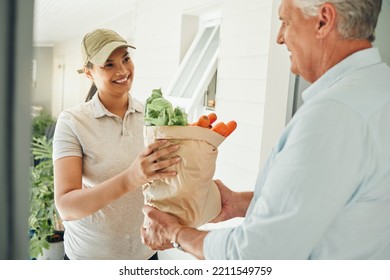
pixel 42 86
pixel 245 33
pixel 278 88
pixel 69 87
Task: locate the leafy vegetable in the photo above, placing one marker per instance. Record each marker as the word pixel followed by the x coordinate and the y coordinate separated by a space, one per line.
pixel 160 112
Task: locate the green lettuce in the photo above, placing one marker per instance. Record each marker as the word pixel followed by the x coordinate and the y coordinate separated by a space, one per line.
pixel 160 112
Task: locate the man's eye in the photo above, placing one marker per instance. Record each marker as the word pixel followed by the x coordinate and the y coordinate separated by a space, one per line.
pixel 127 59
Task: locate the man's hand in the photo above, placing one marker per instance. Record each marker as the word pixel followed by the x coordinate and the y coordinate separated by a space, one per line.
pixel 160 229
pixel 227 197
pixel 234 204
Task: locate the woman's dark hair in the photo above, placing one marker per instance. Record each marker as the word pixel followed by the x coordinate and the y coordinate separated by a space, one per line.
pixel 91 92
pixel 93 87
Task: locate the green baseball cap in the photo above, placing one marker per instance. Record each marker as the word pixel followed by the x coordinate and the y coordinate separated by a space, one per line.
pixel 98 45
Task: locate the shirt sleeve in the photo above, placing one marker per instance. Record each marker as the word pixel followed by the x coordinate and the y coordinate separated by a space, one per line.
pixel 214 245
pixel 317 169
pixel 65 140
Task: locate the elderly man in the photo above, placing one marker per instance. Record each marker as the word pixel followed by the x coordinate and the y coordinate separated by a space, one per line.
pixel 325 190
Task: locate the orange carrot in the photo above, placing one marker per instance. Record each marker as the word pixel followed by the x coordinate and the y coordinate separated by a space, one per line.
pixel 203 121
pixel 232 125
pixel 221 128
pixel 225 129
pixel 212 117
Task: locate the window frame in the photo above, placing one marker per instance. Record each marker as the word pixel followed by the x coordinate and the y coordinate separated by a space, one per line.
pixel 191 104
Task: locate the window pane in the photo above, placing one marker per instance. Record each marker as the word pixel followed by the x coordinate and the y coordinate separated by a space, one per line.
pixel 200 70
pixel 192 62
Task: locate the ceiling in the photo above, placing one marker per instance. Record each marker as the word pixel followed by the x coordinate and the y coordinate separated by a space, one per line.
pixel 58 20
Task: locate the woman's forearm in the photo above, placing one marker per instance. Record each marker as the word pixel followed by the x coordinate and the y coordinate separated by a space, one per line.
pixel 81 202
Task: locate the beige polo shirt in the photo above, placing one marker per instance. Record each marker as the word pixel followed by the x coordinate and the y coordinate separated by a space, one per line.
pixel 107 145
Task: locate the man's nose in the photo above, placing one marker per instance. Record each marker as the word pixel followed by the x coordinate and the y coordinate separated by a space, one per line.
pixel 280 37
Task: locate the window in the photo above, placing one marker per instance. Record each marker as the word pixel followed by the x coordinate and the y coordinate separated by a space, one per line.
pixel 197 72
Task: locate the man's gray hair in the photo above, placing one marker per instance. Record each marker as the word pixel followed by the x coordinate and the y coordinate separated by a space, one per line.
pixel 357 19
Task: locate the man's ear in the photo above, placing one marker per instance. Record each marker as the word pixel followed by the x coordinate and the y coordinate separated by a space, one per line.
pixel 326 20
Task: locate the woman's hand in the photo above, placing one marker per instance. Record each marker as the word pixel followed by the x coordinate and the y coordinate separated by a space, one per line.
pixel 153 163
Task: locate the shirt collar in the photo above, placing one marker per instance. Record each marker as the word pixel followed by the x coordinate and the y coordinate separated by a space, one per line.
pixel 99 110
pixel 350 64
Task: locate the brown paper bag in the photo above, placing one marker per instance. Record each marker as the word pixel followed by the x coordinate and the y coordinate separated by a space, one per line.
pixel 191 196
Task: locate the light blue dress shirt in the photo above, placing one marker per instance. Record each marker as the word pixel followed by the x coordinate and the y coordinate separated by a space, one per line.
pixel 324 193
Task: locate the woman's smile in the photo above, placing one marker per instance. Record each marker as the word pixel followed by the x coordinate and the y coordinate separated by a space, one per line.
pixel 121 81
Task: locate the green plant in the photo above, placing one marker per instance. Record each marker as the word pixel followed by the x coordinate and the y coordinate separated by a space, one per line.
pixel 40 123
pixel 43 214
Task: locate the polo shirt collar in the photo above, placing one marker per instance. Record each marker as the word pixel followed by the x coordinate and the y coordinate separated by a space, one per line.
pixel 350 64
pixel 99 110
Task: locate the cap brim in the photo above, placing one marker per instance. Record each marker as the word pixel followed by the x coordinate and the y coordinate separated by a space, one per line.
pixel 101 57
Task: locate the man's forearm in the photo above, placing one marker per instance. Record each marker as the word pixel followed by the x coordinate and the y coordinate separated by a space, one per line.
pixel 191 240
pixel 243 203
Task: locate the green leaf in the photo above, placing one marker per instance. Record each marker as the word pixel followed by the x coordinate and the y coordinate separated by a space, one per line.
pixel 159 111
pixel 40 123
pixel 42 207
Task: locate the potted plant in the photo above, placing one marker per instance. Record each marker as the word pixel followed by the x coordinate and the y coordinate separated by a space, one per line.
pixel 42 124
pixel 44 222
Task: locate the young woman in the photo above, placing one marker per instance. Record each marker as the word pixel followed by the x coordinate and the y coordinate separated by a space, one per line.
pixel 100 162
